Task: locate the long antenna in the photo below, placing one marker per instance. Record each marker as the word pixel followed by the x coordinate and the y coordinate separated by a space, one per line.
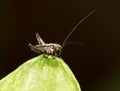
pixel 77 26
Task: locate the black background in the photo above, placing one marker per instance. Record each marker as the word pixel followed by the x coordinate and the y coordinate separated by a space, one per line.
pixel 96 65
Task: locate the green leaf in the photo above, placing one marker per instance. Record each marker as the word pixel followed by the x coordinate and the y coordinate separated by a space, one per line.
pixel 41 74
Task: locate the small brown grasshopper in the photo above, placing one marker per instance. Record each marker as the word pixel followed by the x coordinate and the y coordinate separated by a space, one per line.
pixel 46 48
pixel 53 48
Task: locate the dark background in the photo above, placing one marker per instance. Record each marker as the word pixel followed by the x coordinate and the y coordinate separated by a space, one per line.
pixel 96 65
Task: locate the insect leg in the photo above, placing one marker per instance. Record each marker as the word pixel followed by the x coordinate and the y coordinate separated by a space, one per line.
pixel 44 55
pixel 34 48
pixel 39 39
pixel 53 56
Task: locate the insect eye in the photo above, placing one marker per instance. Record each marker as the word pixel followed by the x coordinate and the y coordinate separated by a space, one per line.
pixel 59 48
